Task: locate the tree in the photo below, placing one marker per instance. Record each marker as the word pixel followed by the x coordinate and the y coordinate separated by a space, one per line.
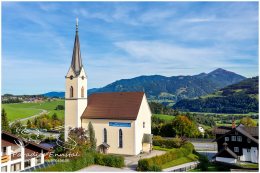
pixel 78 134
pixel 29 124
pixel 5 122
pixel 247 121
pixel 184 126
pixel 54 116
pixel 16 127
pixel 91 134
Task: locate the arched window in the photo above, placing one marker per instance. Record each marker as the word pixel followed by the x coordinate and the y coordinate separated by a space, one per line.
pixel 82 92
pixel 105 135
pixel 71 91
pixel 120 138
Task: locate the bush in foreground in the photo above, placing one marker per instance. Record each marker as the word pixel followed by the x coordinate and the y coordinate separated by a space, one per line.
pixel 89 158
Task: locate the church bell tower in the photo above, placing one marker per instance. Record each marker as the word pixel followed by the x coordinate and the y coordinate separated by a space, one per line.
pixel 76 89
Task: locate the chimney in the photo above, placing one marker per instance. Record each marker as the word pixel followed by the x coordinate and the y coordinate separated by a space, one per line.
pixel 233 123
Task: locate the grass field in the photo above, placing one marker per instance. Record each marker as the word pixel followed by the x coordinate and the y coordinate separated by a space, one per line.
pixel 181 160
pixel 164 117
pixel 24 110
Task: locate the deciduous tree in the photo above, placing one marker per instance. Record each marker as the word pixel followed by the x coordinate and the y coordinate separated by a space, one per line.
pixel 247 121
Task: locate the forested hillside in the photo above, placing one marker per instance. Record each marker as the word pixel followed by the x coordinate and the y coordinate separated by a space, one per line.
pixel 238 98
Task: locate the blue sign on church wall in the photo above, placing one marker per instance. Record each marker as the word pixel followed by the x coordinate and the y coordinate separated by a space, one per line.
pixel 119 124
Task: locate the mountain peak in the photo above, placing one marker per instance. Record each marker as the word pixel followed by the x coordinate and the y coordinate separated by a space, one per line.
pixel 219 70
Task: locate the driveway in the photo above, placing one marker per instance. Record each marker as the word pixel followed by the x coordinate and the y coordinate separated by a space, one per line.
pixel 99 168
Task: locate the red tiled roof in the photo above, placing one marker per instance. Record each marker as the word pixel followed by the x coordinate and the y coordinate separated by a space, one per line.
pixel 116 105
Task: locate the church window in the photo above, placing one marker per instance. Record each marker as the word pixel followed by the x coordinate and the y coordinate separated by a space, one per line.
pixel 71 92
pixel 82 92
pixel 71 77
pixel 143 124
pixel 120 138
pixel 105 135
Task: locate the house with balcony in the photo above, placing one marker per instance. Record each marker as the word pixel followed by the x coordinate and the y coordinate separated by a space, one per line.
pixel 18 155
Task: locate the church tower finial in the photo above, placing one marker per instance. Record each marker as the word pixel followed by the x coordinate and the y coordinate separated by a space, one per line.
pixel 77 24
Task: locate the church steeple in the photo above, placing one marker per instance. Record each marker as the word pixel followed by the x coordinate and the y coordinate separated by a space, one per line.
pixel 76 62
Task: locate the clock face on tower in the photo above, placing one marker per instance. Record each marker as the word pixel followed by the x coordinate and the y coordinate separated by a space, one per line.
pixel 71 77
pixel 82 77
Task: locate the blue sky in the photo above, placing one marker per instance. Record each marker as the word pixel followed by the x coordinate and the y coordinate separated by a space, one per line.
pixel 122 40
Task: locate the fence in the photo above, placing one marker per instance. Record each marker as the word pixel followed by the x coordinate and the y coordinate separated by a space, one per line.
pixel 183 168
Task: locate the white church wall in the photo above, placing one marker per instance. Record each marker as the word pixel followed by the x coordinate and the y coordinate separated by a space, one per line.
pixel 113 135
pixel 144 116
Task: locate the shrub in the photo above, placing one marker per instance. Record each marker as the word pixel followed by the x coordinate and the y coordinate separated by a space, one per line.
pixel 109 160
pixel 155 163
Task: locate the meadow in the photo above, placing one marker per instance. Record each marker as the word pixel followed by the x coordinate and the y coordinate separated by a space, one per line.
pixel 164 117
pixel 18 111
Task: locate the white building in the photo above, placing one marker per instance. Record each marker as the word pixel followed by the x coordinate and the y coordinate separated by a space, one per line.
pixel 121 120
pixel 16 157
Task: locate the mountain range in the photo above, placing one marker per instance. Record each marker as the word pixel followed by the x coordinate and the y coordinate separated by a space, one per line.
pixel 170 89
pixel 241 97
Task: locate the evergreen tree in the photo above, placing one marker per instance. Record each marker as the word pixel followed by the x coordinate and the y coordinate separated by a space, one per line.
pixel 92 138
pixel 5 123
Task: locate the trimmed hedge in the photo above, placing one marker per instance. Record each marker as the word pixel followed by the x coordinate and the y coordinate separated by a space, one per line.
pixel 155 163
pixel 110 160
pixel 167 143
pixel 88 158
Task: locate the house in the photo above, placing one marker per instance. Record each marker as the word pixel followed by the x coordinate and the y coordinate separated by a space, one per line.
pixel 201 129
pixel 121 120
pixel 237 143
pixel 18 155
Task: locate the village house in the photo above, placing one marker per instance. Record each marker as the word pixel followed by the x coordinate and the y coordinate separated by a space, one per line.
pixel 121 120
pixel 237 143
pixel 18 155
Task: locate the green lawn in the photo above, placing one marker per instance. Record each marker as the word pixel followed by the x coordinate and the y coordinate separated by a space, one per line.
pixel 23 110
pixel 163 149
pixel 181 160
pixel 164 117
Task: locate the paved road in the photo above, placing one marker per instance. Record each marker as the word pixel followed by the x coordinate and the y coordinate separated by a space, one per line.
pixel 36 115
pixel 99 168
pixel 205 146
pixel 130 162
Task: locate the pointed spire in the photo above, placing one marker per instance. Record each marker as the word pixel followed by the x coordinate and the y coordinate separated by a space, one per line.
pixel 76 62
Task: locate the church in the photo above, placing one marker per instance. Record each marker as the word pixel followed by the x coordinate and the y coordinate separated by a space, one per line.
pixel 121 120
